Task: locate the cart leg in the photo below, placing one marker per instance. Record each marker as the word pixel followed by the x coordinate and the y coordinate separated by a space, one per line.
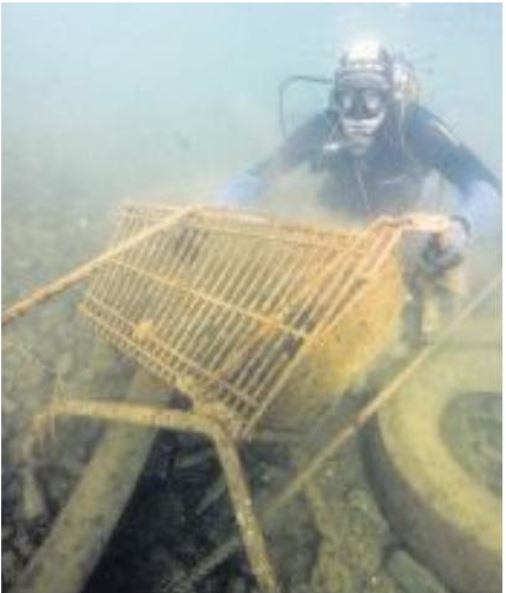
pixel 249 526
pixel 251 531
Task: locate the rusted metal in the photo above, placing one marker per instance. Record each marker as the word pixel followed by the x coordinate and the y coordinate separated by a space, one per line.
pixel 83 272
pixel 157 417
pixel 306 474
pixel 230 307
pixel 83 527
pixel 247 317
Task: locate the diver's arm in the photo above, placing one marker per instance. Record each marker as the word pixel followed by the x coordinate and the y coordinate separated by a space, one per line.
pixel 479 190
pixel 300 147
pixel 478 212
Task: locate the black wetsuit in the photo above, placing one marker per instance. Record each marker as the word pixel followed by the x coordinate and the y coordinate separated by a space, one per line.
pixel 388 178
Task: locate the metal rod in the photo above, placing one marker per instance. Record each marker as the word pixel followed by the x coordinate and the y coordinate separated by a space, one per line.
pixel 273 509
pixel 71 550
pixel 158 417
pixel 82 272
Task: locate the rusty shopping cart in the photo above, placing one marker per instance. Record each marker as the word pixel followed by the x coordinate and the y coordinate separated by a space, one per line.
pixel 262 325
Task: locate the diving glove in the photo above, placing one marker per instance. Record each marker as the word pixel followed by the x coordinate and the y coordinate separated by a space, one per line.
pixel 481 207
pixel 478 216
pixel 447 249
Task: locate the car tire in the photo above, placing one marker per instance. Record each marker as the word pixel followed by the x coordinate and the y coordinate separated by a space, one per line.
pixel 445 508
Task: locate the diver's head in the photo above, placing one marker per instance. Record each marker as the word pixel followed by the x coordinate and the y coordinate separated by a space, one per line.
pixel 362 94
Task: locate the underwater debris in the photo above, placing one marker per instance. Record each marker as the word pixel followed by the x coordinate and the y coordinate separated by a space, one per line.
pixel 134 290
pixel 439 487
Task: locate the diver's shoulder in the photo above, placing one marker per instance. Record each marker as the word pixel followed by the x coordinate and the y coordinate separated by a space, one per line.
pixel 421 122
pixel 417 114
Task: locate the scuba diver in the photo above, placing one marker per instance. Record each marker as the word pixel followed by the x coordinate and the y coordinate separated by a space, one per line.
pixel 376 145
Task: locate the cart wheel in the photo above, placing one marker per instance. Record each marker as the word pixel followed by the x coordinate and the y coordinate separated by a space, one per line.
pixel 435 460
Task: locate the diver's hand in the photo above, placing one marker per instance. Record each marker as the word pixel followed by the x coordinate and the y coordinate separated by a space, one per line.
pixel 480 204
pixel 447 249
pixel 243 190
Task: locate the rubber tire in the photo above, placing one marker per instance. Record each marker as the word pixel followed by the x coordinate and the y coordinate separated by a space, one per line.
pixel 444 516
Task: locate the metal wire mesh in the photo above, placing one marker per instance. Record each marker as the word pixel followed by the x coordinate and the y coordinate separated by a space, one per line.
pixel 225 304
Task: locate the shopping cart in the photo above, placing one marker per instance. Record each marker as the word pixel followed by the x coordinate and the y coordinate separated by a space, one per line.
pixel 262 325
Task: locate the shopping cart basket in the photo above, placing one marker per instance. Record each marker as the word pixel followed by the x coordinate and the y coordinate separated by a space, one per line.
pixel 261 324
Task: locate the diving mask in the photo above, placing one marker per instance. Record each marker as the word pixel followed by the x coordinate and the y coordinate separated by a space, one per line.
pixel 360 103
pixel 362 111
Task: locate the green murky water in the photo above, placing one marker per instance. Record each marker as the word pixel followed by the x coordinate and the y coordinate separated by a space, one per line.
pixel 107 102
